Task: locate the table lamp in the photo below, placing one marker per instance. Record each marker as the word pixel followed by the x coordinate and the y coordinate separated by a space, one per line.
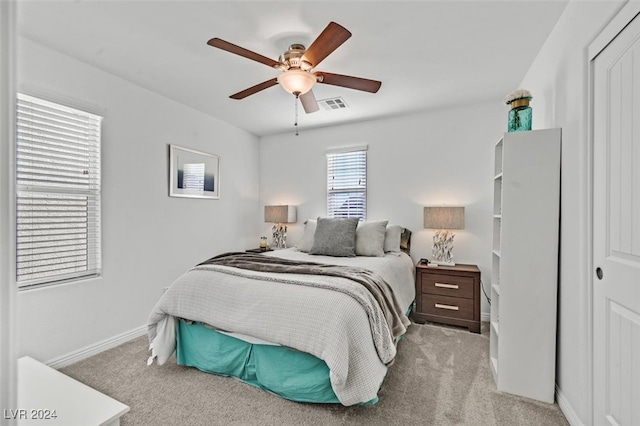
pixel 279 216
pixel 443 219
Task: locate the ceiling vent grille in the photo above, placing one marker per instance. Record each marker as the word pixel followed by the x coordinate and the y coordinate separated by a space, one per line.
pixel 332 103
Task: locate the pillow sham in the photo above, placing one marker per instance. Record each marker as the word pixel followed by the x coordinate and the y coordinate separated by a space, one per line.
pixel 370 238
pixel 392 239
pixel 307 238
pixel 335 237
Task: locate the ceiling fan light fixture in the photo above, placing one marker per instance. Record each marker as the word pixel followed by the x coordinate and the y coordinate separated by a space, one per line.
pixel 296 82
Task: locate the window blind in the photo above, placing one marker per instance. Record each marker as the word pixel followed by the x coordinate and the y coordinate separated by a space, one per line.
pixel 58 192
pixel 347 184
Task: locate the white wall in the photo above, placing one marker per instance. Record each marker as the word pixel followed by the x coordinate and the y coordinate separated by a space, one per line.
pixel 430 158
pixel 7 226
pixel 149 239
pixel 558 80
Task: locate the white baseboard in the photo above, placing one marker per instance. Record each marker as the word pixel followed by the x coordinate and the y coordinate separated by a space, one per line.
pixel 485 316
pixel 567 409
pixel 86 352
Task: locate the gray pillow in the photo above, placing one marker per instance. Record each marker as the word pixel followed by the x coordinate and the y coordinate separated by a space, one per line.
pixel 335 237
pixel 307 238
pixel 370 238
pixel 392 238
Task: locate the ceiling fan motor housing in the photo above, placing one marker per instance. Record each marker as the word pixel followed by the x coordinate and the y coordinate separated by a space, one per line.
pixel 292 58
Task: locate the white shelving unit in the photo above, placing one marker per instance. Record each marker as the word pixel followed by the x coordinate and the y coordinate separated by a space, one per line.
pixel 526 213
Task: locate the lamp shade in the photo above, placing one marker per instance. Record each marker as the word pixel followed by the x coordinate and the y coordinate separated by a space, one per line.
pixel 280 214
pixel 297 82
pixel 444 217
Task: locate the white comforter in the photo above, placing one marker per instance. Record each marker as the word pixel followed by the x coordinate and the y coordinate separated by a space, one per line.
pixel 327 324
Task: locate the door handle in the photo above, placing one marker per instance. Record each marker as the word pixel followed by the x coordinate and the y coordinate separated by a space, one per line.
pixel 599 273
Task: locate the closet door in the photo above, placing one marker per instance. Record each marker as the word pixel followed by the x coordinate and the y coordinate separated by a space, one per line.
pixel 616 230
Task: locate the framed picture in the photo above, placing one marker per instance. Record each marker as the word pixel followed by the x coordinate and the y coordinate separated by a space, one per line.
pixel 193 174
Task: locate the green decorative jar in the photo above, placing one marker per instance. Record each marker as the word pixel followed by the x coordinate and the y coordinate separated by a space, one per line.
pixel 520 114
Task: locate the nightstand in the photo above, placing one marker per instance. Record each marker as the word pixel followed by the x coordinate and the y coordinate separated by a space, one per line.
pixel 258 250
pixel 448 295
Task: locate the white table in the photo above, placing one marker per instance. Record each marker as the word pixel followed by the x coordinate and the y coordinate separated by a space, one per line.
pixel 44 392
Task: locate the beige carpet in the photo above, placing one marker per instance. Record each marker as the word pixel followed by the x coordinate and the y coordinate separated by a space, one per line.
pixel 441 377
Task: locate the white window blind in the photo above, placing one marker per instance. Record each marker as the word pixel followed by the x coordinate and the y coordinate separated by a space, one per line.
pixel 347 184
pixel 58 192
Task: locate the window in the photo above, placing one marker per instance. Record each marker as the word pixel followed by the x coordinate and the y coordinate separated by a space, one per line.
pixel 347 183
pixel 58 192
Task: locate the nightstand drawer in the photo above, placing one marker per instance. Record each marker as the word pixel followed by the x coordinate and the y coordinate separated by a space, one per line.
pixel 445 306
pixel 447 285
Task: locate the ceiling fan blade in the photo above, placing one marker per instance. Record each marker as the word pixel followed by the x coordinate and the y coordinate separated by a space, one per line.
pixel 328 41
pixel 241 51
pixel 309 102
pixel 356 83
pixel 255 89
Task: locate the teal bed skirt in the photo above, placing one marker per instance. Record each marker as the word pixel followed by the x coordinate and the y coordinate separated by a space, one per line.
pixel 288 373
pixel 291 374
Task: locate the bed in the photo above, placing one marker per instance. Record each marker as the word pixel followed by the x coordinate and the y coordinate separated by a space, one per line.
pixel 305 337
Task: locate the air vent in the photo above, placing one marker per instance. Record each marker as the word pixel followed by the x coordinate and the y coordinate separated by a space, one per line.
pixel 333 103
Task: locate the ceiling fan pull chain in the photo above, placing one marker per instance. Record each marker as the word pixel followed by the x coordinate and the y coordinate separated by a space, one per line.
pixel 296 123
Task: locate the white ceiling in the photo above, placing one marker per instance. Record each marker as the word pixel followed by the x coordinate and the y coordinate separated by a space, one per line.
pixel 428 54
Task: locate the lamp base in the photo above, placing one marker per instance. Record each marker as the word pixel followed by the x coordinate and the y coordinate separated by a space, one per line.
pixel 442 248
pixel 279 236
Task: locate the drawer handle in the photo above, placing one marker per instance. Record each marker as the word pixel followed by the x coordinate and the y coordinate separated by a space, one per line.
pixel 450 307
pixel 454 286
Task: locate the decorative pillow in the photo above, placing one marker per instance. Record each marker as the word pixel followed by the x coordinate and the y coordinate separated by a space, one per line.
pixel 307 238
pixel 392 239
pixel 405 241
pixel 370 238
pixel 335 237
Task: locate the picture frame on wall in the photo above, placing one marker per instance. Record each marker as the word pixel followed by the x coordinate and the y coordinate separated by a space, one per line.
pixel 193 174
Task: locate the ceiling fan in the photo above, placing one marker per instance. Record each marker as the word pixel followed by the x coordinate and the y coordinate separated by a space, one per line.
pixel 297 65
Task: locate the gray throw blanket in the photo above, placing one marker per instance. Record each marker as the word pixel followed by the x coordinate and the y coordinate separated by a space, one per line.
pixel 377 286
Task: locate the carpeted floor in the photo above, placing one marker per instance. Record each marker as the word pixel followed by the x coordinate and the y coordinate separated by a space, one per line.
pixel 441 376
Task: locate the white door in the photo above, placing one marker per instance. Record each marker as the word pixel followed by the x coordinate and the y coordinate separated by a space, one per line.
pixel 616 230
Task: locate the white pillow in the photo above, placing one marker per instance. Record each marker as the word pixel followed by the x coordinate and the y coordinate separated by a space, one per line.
pixel 392 238
pixel 370 238
pixel 307 238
